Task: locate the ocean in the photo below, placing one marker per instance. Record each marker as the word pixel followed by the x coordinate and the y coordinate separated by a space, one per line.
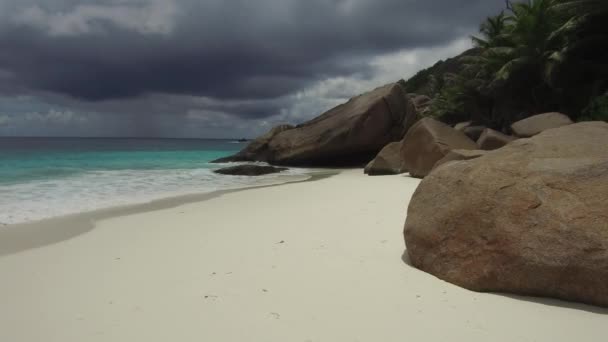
pixel 49 177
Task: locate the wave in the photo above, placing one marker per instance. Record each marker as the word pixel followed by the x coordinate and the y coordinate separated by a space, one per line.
pixel 39 199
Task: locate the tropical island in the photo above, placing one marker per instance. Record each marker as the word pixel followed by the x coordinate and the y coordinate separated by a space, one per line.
pixel 514 193
pixel 468 202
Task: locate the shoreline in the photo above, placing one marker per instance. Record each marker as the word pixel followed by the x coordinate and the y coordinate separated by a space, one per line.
pixel 19 237
pixel 307 261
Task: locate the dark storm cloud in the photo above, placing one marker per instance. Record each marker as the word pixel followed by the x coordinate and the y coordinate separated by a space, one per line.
pixel 222 49
pixel 176 64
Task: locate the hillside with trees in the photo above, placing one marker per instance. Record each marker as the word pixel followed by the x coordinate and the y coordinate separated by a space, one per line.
pixel 535 56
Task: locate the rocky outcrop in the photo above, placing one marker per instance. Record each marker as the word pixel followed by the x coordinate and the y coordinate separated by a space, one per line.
pixel 492 140
pixel 456 155
pixel 427 142
pixel 257 149
pixel 387 162
pixel 462 125
pixel 350 134
pixel 530 218
pixel 474 132
pixel 422 103
pixel 249 170
pixel 538 123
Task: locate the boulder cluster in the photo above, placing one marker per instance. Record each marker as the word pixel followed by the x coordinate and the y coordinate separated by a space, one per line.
pixel 350 134
pixel 523 210
pixel 530 218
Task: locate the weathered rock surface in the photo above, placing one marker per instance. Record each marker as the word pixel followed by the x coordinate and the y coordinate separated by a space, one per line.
pixel 536 124
pixel 462 125
pixel 455 155
pixel 352 133
pixel 422 103
pixel 493 140
pixel 530 218
pixel 474 132
pixel 249 170
pixel 257 149
pixel 427 142
pixel 387 162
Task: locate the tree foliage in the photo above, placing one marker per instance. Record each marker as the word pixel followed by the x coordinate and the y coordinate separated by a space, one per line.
pixel 535 56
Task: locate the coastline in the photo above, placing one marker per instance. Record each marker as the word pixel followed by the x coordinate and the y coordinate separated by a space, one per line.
pixel 305 261
pixel 15 238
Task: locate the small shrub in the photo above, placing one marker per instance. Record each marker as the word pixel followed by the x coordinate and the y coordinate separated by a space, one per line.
pixel 597 110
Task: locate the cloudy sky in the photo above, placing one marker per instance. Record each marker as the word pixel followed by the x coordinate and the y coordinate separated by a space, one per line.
pixel 210 68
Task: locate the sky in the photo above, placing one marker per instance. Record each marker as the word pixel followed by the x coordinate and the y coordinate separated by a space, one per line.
pixel 210 68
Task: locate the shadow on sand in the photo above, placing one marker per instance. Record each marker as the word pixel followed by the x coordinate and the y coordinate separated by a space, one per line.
pixel 536 300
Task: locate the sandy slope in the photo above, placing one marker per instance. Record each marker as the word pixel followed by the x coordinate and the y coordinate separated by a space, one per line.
pixel 315 261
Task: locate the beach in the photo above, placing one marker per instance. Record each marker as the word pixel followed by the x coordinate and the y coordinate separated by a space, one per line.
pixel 320 260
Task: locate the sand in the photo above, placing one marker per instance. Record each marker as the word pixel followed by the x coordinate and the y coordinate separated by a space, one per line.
pixel 312 261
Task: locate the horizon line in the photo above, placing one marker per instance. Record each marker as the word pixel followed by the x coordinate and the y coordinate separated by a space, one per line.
pixel 106 137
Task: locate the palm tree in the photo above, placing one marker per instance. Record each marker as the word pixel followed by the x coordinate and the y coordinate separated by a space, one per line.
pixel 492 31
pixel 537 55
pixel 515 45
pixel 580 65
pixel 575 8
pixel 529 41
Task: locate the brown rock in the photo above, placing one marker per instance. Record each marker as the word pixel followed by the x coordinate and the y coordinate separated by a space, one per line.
pixel 387 162
pixel 427 142
pixel 493 140
pixel 536 124
pixel 257 149
pixel 456 155
pixel 422 103
pixel 350 134
pixel 474 132
pixel 530 218
pixel 461 126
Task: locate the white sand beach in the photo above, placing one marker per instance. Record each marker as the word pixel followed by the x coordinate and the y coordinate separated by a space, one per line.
pixel 310 261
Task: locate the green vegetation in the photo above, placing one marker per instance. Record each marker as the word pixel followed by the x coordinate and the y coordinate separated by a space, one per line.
pixel 535 56
pixel 597 109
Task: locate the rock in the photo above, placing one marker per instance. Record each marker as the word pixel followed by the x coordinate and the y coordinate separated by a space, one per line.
pixel 422 103
pixel 456 155
pixel 529 218
pixel 387 162
pixel 350 134
pixel 427 142
pixel 536 124
pixel 474 132
pixel 249 170
pixel 492 140
pixel 257 149
pixel 461 126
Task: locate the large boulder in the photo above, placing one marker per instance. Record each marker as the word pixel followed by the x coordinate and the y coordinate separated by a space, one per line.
pixel 536 124
pixel 493 140
pixel 530 218
pixel 249 170
pixel 257 149
pixel 456 155
pixel 427 142
pixel 387 162
pixel 350 134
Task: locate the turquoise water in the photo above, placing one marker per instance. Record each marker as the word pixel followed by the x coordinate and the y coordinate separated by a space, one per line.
pixel 25 159
pixel 47 177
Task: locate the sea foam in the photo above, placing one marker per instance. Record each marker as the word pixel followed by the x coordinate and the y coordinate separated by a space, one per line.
pixel 39 199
